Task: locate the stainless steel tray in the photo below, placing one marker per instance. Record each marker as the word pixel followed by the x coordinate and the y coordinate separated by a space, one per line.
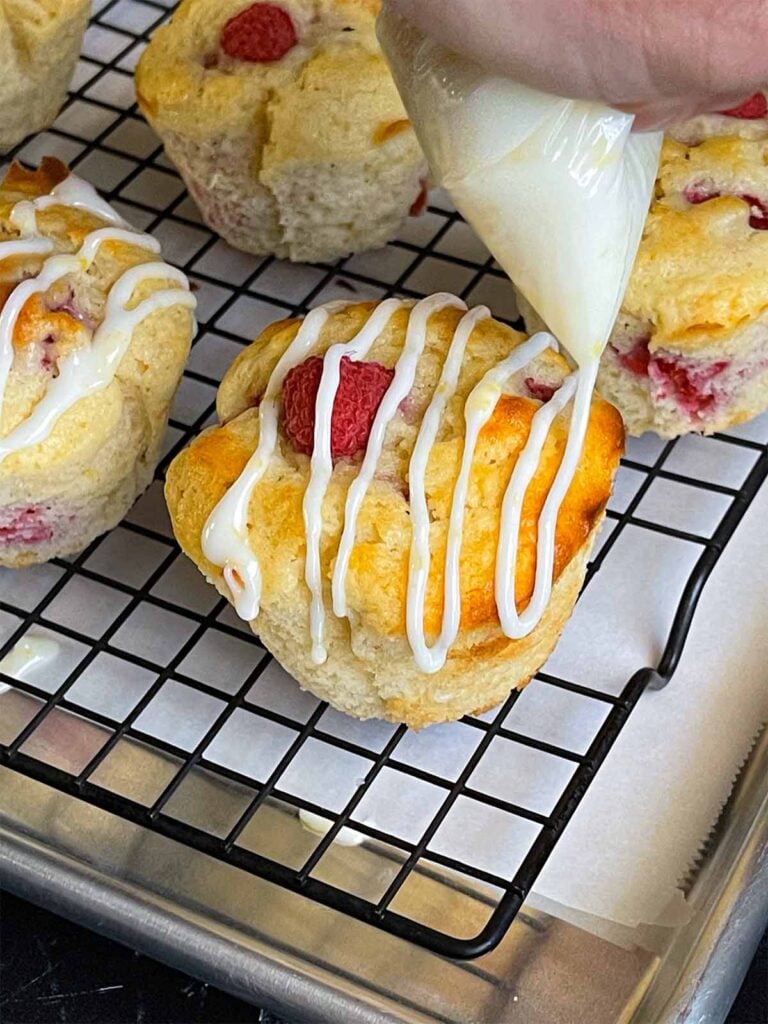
pixel 214 919
pixel 282 951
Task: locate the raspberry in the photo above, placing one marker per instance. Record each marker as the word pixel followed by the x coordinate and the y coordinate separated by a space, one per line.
pixel 694 388
pixel 48 357
pixel 538 389
pixel 260 33
pixel 696 194
pixel 750 110
pixel 758 210
pixel 361 388
pixel 637 358
pixel 419 204
pixel 24 524
pixel 758 213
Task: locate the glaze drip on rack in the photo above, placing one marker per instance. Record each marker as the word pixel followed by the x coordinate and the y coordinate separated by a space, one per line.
pixel 225 538
pixel 93 366
pixel 31 652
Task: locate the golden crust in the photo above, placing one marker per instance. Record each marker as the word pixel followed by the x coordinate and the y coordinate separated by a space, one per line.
pixel 29 29
pixel 377 577
pixel 39 44
pixel 702 271
pixel 309 157
pixel 184 84
pixel 101 449
pixel 38 18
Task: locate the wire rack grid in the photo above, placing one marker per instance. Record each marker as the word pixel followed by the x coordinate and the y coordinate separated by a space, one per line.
pixel 152 659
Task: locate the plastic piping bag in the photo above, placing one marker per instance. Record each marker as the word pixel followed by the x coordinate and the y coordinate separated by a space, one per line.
pixel 557 189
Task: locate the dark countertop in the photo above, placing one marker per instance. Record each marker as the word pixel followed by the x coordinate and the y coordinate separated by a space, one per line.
pixel 54 971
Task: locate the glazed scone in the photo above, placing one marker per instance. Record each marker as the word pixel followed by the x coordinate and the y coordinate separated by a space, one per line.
pixel 40 42
pixel 94 333
pixel 363 659
pixel 689 351
pixel 284 123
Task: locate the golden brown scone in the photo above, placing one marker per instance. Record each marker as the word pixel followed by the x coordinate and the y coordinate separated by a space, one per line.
pixel 285 123
pixel 370 669
pixel 84 390
pixel 40 42
pixel 689 351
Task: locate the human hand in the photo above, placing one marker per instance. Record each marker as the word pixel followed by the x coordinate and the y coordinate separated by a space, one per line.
pixel 662 60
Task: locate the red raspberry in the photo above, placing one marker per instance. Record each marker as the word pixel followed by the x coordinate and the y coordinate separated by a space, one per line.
pixel 25 525
pixel 758 213
pixel 538 389
pixel 758 210
pixel 260 33
pixel 419 204
pixel 696 194
pixel 361 388
pixel 750 110
pixel 637 358
pixel 692 387
pixel 48 357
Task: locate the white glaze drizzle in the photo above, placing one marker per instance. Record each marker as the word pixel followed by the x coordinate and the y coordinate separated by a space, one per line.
pixel 225 538
pixel 92 367
pixel 74 191
pixel 30 653
pixel 322 826
pixel 225 535
pixel 321 463
pixel 478 409
pixel 514 625
pixel 405 372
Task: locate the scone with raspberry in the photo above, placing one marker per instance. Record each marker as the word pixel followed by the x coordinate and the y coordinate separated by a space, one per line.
pixel 353 503
pixel 689 351
pixel 94 333
pixel 285 124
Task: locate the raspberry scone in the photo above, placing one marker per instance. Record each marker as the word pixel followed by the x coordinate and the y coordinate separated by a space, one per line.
pixel 40 42
pixel 382 501
pixel 284 123
pixel 689 351
pixel 748 120
pixel 94 333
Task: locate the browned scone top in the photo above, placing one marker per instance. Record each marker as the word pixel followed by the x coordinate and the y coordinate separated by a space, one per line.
pixel 370 669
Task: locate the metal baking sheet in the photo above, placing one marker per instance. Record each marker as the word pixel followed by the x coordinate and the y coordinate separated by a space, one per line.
pixel 133 614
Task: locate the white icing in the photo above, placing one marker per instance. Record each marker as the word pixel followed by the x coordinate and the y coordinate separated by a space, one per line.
pixel 516 625
pixel 91 367
pixel 479 408
pixel 321 826
pixel 30 653
pixel 73 191
pixel 321 464
pixel 25 247
pixel 558 189
pixel 405 372
pixel 225 537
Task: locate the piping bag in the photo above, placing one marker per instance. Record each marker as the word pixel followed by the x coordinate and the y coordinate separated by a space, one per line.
pixel 557 189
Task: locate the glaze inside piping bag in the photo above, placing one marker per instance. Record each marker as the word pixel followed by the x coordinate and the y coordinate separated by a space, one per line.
pixel 557 189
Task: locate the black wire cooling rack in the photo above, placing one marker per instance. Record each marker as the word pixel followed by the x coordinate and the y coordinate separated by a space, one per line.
pixel 101 134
